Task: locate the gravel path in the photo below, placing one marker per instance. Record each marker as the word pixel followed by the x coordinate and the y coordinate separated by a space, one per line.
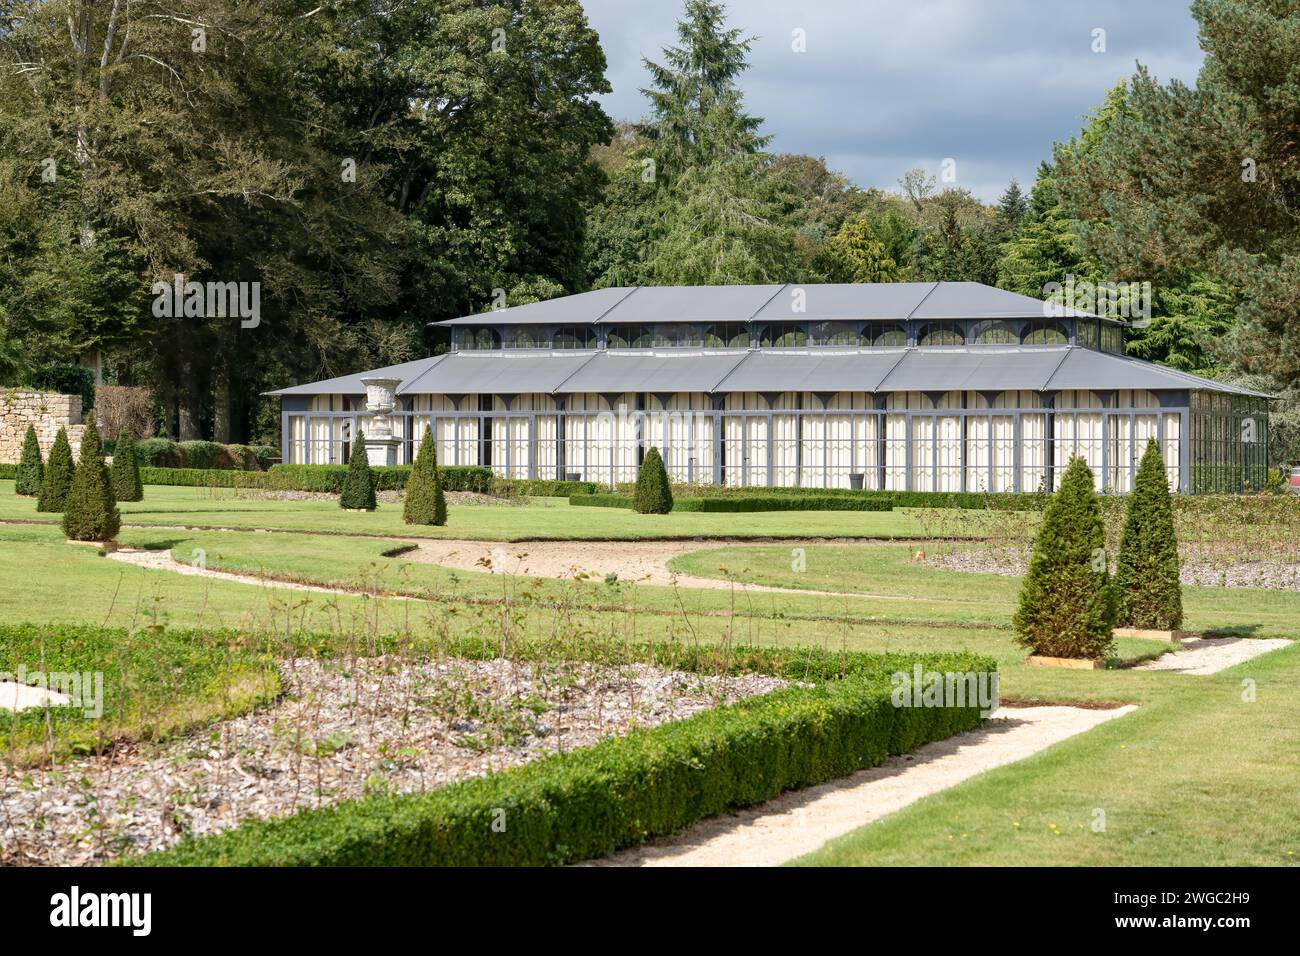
pixel 1203 656
pixel 644 562
pixel 340 732
pixel 802 821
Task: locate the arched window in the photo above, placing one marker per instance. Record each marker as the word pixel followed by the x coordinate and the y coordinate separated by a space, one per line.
pixel 886 336
pixel 940 333
pixel 726 335
pixel 525 337
pixel 784 335
pixel 994 332
pixel 628 337
pixel 1045 332
pixel 478 338
pixel 676 335
pixel 574 337
pixel 835 333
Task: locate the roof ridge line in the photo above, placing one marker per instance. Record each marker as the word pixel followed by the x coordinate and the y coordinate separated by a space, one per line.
pixel 768 301
pixel 1048 380
pixel 904 354
pixel 731 371
pixel 560 384
pixel 437 360
pixel 621 299
pixel 922 302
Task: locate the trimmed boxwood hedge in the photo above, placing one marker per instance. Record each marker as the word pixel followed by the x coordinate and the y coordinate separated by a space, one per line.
pixel 322 478
pixel 619 792
pixel 970 500
pixel 747 504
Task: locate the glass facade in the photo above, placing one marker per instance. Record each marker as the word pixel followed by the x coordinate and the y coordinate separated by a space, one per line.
pixel 1229 450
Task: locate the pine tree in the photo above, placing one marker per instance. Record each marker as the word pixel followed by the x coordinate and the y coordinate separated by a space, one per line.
pixel 1067 602
pixel 30 467
pixel 653 495
pixel 359 484
pixel 125 473
pixel 424 502
pixel 90 513
pixel 57 479
pixel 1146 572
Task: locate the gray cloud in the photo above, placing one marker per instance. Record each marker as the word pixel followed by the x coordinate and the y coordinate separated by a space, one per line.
pixel 886 85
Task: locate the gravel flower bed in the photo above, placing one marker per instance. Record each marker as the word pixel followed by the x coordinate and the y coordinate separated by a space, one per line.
pixel 340 732
pixel 1195 569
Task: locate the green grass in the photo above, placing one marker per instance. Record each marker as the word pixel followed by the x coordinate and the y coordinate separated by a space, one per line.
pixel 939 594
pixel 539 519
pixel 1196 777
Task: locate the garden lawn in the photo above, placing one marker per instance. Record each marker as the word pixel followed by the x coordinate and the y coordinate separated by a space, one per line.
pixel 889 570
pixel 534 519
pixel 1198 776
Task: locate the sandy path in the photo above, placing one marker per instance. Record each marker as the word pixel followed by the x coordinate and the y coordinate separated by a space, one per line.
pixel 1203 656
pixel 802 821
pixel 163 561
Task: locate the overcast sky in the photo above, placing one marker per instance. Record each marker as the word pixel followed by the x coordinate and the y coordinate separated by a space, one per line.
pixel 886 85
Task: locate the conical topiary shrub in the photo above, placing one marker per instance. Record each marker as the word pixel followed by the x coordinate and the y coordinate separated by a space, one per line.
pixel 30 467
pixel 1067 601
pixel 57 480
pixel 90 513
pixel 424 502
pixel 359 484
pixel 653 494
pixel 125 473
pixel 1146 573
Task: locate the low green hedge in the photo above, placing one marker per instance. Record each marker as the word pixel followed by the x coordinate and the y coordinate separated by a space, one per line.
pixel 9 472
pixel 1003 501
pixel 203 455
pixel 748 503
pixel 543 488
pixel 619 792
pixel 320 478
pixel 601 501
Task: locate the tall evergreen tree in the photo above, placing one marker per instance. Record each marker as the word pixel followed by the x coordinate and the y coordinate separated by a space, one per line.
pixel 654 494
pixel 57 479
pixel 424 502
pixel 30 467
pixel 1067 602
pixel 359 484
pixel 90 512
pixel 125 472
pixel 1146 571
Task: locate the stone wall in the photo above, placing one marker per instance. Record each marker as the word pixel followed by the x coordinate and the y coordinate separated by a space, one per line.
pixel 48 412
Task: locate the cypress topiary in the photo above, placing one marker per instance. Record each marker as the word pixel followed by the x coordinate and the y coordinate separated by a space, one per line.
pixel 1067 601
pixel 424 502
pixel 125 473
pixel 653 494
pixel 57 480
pixel 90 513
pixel 1146 572
pixel 358 485
pixel 30 467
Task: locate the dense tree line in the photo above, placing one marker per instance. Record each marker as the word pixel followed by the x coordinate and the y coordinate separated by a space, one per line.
pixel 380 166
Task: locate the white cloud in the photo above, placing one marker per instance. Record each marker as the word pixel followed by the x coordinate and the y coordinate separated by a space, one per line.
pixel 887 84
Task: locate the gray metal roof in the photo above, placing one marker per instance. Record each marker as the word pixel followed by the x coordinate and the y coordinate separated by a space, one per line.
pixel 983 368
pixel 500 373
pixel 408 372
pixel 692 303
pixel 663 371
pixel 976 368
pixel 814 370
pixel 770 303
pixel 580 309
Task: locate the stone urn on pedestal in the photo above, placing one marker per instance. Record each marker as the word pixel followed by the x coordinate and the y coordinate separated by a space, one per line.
pixel 381 399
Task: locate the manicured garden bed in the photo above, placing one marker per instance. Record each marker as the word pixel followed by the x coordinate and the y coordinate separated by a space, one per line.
pixel 588 802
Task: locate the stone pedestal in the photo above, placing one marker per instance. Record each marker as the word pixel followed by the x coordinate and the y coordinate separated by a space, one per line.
pixel 381 399
pixel 382 452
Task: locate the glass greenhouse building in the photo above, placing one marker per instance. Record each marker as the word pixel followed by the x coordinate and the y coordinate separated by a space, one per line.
pixel 937 386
